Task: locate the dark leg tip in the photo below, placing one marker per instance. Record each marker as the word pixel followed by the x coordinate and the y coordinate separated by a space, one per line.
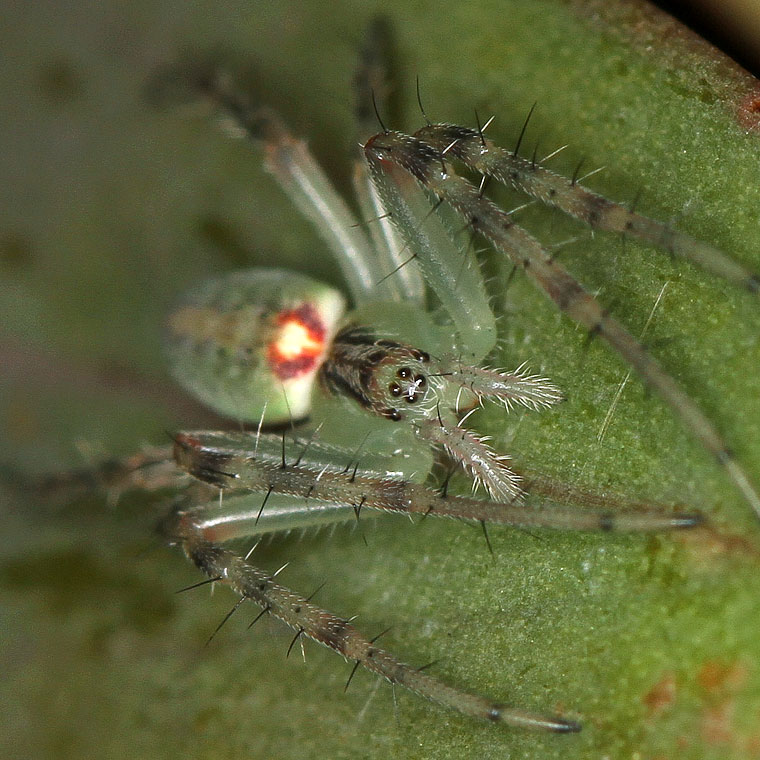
pixel 563 726
pixel 692 520
pixel 607 522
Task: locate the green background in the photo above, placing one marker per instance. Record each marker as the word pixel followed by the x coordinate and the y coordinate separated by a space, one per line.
pixel 110 209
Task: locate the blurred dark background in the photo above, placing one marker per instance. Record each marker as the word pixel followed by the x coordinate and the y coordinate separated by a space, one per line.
pixel 731 25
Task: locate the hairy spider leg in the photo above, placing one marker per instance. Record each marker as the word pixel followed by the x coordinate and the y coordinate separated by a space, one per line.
pixel 279 466
pixel 389 150
pixel 371 88
pixel 480 154
pixel 338 633
pixel 226 460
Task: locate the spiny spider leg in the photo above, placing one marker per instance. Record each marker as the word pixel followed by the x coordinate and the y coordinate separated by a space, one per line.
pixel 227 460
pixel 337 633
pixel 321 480
pixel 390 152
pixel 289 161
pixel 372 85
pixel 480 154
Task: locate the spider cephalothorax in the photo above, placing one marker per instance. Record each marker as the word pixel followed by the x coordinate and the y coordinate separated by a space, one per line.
pixel 387 377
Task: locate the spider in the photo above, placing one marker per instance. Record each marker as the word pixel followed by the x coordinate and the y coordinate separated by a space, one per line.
pixel 393 379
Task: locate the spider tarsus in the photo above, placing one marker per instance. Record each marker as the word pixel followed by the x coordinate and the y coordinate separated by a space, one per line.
pixel 563 726
pixel 694 520
pixel 504 714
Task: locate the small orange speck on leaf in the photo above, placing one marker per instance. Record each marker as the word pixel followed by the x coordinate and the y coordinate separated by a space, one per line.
pixel 749 111
pixel 662 695
pixel 715 676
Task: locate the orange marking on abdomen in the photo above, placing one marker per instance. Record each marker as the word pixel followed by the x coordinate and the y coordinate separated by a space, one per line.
pixel 299 343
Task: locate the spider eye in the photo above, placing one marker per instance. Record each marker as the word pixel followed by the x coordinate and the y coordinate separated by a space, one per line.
pixel 395 389
pixel 404 373
pixel 393 414
pixel 420 380
pixel 420 356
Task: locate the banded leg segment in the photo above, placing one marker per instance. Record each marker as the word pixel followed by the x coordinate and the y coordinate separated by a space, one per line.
pixel 289 161
pixel 372 85
pixel 275 466
pixel 339 634
pixel 151 469
pixel 478 153
pixel 389 150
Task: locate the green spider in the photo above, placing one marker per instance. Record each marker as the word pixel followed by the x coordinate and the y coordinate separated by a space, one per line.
pixel 390 374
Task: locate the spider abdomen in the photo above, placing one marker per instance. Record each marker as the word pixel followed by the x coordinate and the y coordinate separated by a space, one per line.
pixel 253 341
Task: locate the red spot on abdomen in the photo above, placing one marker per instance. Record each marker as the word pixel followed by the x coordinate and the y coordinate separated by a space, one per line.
pixel 298 344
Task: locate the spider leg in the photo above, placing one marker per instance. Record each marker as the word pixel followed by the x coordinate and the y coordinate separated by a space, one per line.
pixel 477 153
pixel 372 86
pixel 226 460
pixel 338 633
pixel 477 457
pixel 330 491
pixel 151 469
pixel 425 164
pixel 517 387
pixel 291 163
pixel 452 272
